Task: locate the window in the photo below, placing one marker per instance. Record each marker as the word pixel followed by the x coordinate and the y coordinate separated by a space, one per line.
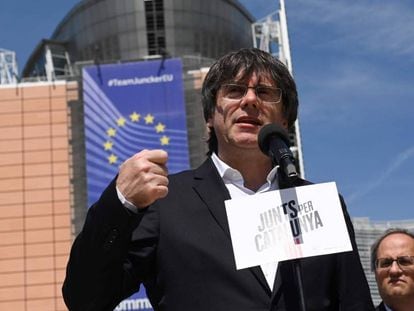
pixel 154 17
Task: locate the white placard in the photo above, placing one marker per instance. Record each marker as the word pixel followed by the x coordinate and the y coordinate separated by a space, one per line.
pixel 286 224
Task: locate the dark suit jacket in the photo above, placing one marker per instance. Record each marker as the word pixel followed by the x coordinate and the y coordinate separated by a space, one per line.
pixel 180 249
pixel 380 307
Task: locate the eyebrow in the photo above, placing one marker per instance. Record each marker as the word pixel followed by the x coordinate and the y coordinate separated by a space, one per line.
pixel 246 84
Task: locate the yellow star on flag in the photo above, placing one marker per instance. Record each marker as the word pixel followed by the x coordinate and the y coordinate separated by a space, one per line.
pixel 121 121
pixel 160 128
pixel 108 145
pixel 112 159
pixel 135 117
pixel 149 119
pixel 164 140
pixel 111 132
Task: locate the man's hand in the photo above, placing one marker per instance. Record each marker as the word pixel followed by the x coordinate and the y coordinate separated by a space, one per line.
pixel 142 179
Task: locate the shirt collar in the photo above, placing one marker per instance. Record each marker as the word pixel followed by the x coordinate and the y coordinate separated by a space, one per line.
pixel 231 175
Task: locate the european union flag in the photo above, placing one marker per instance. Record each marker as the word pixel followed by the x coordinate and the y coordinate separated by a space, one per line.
pixel 130 107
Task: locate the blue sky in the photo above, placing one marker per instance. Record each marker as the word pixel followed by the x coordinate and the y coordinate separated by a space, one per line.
pixel 353 62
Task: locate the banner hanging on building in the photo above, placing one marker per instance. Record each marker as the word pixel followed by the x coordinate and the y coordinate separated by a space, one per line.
pixel 127 108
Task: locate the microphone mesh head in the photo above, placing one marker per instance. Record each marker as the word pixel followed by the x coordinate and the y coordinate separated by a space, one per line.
pixel 267 132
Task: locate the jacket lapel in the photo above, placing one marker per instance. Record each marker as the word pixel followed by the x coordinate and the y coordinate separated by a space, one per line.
pixel 381 307
pixel 213 192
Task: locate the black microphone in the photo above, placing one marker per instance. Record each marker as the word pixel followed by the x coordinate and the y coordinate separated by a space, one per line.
pixel 274 142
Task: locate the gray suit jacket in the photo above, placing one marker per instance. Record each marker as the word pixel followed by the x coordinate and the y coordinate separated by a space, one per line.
pixel 180 249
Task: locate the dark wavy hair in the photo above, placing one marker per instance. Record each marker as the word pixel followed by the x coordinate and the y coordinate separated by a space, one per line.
pixel 242 64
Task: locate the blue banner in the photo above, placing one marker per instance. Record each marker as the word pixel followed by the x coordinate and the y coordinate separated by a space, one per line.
pixel 127 108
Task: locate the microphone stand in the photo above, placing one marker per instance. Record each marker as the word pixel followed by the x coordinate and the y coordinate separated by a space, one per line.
pixel 284 183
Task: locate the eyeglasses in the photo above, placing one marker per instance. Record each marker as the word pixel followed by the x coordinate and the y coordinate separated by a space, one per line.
pixel 404 262
pixel 266 94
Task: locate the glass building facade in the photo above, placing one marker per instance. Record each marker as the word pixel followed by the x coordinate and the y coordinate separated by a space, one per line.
pixel 114 30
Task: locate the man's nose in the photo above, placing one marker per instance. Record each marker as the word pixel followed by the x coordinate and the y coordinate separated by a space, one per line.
pixel 395 268
pixel 250 99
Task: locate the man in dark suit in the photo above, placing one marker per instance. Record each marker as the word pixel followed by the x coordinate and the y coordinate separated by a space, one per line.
pixel 392 260
pixel 171 233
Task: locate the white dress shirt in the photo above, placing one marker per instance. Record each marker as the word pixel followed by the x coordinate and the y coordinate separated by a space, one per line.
pixel 235 184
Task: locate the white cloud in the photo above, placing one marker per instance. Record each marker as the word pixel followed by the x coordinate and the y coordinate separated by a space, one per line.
pixel 399 160
pixel 335 92
pixel 363 26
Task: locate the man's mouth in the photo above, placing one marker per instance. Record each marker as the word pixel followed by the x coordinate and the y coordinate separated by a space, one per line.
pixel 249 120
pixel 396 281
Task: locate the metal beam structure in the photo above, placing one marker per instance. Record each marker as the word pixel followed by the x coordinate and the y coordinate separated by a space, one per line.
pixel 8 67
pixel 270 34
pixel 50 61
pixel 57 61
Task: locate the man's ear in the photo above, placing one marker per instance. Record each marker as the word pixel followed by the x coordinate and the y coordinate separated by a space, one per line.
pixel 208 128
pixel 209 122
